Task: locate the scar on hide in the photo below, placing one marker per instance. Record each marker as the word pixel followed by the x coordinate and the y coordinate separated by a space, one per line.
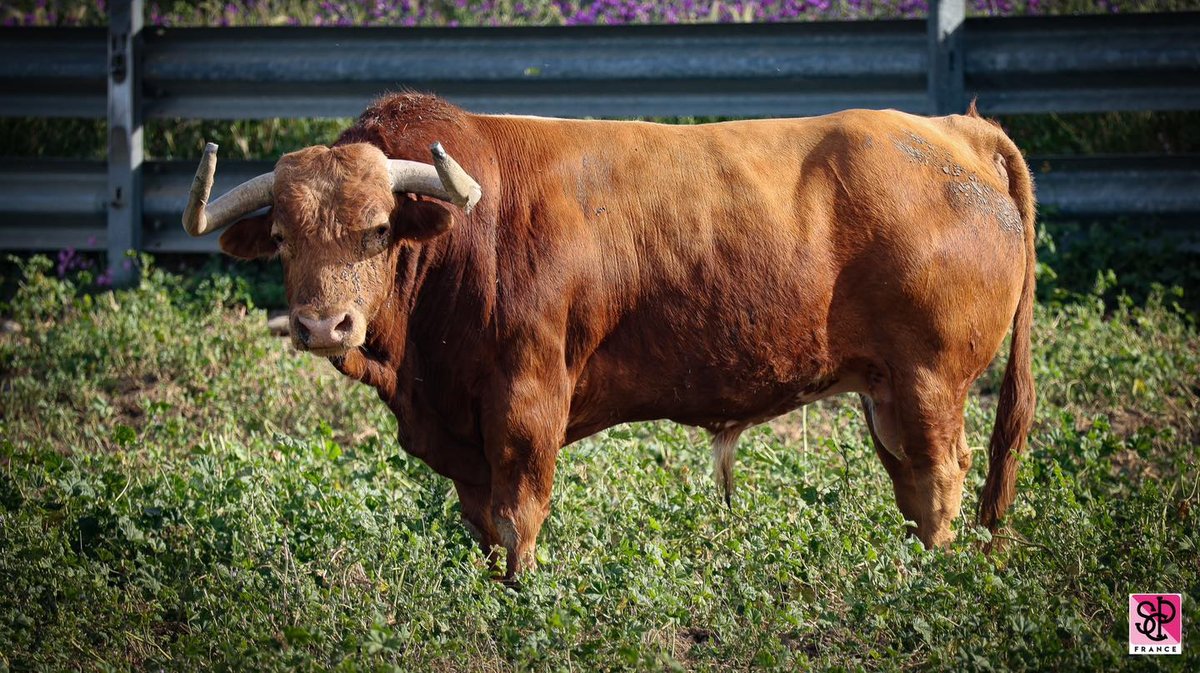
pixel 973 195
pixel 914 147
pixel 922 152
pixel 970 194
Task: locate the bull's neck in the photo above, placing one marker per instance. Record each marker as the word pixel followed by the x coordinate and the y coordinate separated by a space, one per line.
pixel 416 337
pixel 388 333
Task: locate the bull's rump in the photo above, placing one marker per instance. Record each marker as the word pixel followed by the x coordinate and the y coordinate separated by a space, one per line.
pixel 733 271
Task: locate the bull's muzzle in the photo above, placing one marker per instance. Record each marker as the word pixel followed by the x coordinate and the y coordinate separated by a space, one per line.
pixel 330 334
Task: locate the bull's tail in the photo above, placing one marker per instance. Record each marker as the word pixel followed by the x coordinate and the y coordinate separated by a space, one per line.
pixel 1014 413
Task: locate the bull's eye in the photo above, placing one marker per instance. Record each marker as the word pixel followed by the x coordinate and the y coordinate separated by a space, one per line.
pixel 381 230
pixel 277 237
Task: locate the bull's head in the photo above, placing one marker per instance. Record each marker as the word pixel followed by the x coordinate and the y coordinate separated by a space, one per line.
pixel 337 217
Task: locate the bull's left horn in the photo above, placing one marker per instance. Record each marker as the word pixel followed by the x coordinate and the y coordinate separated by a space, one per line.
pixel 446 181
pixel 201 217
pixel 463 189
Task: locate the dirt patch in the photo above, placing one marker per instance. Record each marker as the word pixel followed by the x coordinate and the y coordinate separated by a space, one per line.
pixel 698 635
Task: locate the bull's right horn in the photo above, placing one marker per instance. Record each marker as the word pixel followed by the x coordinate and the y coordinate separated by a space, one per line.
pixel 201 217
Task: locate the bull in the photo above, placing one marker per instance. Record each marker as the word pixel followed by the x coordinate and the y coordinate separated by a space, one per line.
pixel 531 281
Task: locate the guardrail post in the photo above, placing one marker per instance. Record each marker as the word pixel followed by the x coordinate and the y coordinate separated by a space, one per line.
pixel 124 136
pixel 946 56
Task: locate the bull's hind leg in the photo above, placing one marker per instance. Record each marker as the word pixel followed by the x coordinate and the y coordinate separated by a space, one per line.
pixel 918 434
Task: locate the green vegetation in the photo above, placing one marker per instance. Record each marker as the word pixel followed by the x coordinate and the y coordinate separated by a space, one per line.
pixel 179 490
pixel 1110 260
pixel 1106 132
pixel 537 12
pixel 167 138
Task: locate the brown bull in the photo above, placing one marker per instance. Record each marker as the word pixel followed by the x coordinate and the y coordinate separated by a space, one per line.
pixel 573 275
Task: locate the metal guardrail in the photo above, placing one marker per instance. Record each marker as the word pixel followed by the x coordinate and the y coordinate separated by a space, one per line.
pixel 1084 64
pixel 1037 64
pixel 59 204
pixel 54 204
pixel 732 70
pixel 1014 65
pixel 53 72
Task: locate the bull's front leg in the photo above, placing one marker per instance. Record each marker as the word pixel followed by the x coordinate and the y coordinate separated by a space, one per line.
pixel 476 502
pixel 522 449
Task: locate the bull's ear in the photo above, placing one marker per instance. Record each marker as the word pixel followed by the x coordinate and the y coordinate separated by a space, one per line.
pixel 249 238
pixel 419 219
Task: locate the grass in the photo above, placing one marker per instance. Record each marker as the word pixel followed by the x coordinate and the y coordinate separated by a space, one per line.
pixel 180 491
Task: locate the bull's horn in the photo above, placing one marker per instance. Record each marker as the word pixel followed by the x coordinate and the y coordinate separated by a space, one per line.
pixel 463 189
pixel 444 180
pixel 201 217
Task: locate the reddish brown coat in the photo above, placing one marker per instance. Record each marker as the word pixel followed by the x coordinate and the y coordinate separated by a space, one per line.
pixel 717 275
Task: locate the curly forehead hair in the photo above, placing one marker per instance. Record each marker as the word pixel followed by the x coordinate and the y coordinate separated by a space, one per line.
pixel 320 190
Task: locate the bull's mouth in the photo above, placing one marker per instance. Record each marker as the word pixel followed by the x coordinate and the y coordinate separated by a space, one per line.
pixel 333 350
pixel 330 351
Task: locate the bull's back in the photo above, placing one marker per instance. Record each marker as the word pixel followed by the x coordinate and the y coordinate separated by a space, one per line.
pixel 728 270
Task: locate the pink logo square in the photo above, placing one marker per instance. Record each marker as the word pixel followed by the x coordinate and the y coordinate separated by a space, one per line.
pixel 1155 623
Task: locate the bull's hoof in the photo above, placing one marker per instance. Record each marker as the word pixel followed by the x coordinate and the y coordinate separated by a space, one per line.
pixel 513 583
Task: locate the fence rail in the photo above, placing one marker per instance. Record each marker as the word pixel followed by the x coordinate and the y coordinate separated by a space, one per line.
pixel 58 204
pixel 1014 65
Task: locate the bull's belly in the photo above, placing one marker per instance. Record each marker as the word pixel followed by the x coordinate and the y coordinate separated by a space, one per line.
pixel 713 398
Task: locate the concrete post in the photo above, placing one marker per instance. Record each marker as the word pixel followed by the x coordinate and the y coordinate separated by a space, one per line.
pixel 946 56
pixel 125 151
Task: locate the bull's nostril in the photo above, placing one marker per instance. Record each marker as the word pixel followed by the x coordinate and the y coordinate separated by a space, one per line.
pixel 346 325
pixel 302 332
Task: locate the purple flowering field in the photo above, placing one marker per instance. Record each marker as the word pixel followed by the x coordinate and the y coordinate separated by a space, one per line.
pixel 536 12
